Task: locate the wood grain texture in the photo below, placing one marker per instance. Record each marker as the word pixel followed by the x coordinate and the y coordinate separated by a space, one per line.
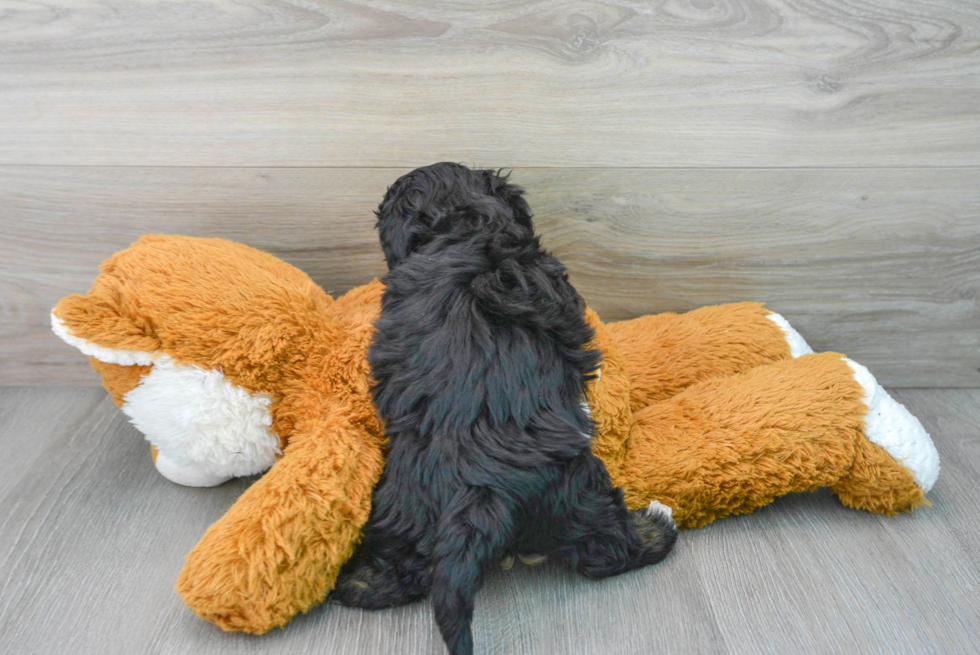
pixel 92 539
pixel 544 83
pixel 883 265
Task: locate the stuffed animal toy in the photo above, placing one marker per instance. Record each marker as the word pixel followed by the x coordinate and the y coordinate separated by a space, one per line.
pixel 231 361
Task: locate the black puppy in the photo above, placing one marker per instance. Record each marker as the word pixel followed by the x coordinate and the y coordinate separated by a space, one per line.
pixel 480 362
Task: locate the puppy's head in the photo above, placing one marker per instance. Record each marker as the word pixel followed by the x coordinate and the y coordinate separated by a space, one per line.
pixel 448 199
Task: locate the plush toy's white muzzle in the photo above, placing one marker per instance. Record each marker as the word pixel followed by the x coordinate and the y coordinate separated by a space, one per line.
pixel 188 475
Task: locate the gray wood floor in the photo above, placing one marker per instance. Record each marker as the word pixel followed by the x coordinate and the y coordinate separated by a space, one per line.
pixel 91 540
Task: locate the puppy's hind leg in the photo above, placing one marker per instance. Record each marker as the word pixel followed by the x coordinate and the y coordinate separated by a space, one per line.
pixel 472 535
pixel 599 536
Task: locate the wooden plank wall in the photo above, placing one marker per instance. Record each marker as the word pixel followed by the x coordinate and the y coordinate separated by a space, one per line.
pixel 822 157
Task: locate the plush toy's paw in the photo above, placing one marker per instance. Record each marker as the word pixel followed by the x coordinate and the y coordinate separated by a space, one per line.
pixel 797 344
pixel 890 425
pixel 895 462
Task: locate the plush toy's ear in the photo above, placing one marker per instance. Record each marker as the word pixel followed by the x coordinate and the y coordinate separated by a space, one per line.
pixel 278 550
pixel 99 327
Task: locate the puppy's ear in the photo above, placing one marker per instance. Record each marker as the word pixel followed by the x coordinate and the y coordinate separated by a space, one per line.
pixel 400 235
pixel 498 186
pixel 402 228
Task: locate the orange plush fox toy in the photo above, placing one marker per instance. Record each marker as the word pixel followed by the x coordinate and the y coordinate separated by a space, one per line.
pixel 231 361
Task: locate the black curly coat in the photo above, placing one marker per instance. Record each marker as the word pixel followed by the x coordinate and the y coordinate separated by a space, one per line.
pixel 480 365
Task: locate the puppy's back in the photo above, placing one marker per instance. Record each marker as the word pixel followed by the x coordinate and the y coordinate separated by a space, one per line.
pixel 476 333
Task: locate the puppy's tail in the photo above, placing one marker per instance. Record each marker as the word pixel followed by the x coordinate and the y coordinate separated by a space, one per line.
pixel 471 535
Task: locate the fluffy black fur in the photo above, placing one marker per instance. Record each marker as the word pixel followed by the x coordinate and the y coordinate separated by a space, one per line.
pixel 480 364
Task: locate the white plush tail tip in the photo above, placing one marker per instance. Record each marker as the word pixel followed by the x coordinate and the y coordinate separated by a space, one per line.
pixel 893 427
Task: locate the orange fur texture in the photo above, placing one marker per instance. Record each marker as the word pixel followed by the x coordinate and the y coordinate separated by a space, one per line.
pixel 270 329
pixel 703 411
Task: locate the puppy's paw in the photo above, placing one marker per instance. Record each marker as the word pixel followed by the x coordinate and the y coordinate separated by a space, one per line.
pixel 355 586
pixel 533 559
pixel 369 586
pixel 374 585
pixel 655 526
